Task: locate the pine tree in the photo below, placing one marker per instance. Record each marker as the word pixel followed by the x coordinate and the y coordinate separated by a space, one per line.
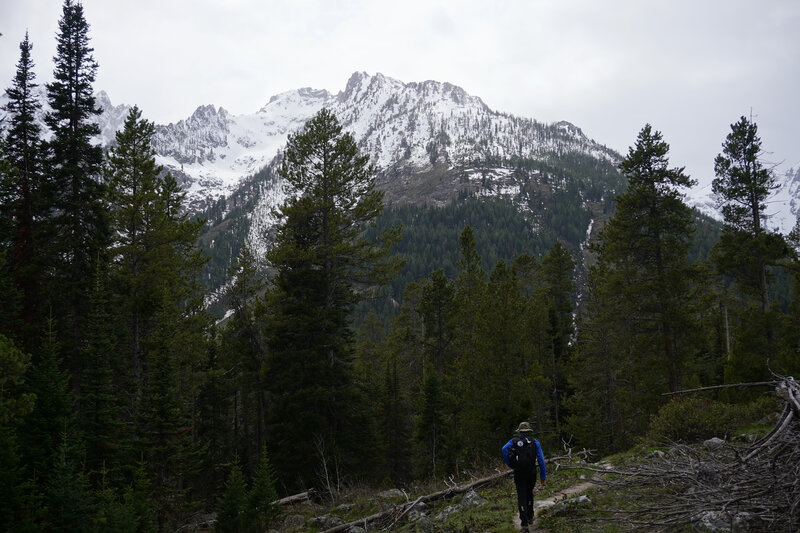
pixel 66 491
pixel 232 507
pixel 746 247
pixel 466 385
pixel 743 185
pixel 42 430
pixel 140 499
pixel 556 270
pixel 508 367
pixel 243 343
pixel 157 305
pixel 67 494
pixel 401 381
pixel 263 494
pixel 22 206
pixel 113 514
pixel 78 226
pixel 603 402
pixel 430 428
pixel 635 338
pixel 215 402
pixel 324 267
pixel 437 309
pixel 649 237
pixel 15 403
pixel 165 438
pixel 100 414
pixel 394 419
pixel 133 180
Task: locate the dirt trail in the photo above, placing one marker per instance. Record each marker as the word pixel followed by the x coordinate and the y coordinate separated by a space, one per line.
pixel 546 503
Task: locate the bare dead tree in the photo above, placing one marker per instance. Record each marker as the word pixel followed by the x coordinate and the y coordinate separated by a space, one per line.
pixel 328 468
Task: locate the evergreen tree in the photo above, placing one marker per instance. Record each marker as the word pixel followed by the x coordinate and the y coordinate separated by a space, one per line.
pixel 21 199
pixel 99 416
pixel 324 267
pixel 78 226
pixel 743 185
pixel 603 404
pixel 508 366
pixel 437 309
pixel 42 430
pixel 67 494
pixel 556 270
pixel 112 514
pixel 403 349
pixel 157 305
pixel 133 196
pixel 635 338
pixel 746 247
pixel 15 403
pixel 165 438
pixel 215 402
pixel 232 507
pixel 470 288
pixel 430 428
pixel 243 351
pixel 263 494
pixel 650 236
pixel 787 362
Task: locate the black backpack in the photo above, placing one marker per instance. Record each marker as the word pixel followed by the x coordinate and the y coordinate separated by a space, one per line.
pixel 522 454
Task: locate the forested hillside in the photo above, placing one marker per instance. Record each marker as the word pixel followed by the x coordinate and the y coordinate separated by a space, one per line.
pixel 124 406
pixel 515 206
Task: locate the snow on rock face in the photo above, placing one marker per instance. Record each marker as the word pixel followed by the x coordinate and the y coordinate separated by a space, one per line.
pixel 112 118
pixel 782 206
pixel 400 125
pixel 408 126
pixel 783 209
pixel 193 140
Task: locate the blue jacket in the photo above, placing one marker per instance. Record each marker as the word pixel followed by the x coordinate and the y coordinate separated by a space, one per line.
pixel 539 457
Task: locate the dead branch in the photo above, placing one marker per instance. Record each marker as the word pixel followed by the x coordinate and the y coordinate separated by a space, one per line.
pixel 718 387
pixel 295 498
pixel 755 487
pixel 401 510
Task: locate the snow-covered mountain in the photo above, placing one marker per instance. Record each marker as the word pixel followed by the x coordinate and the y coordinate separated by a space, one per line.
pixel 783 208
pixel 404 127
pixel 783 205
pixel 400 125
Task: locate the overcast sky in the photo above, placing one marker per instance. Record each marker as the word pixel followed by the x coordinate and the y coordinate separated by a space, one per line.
pixel 688 67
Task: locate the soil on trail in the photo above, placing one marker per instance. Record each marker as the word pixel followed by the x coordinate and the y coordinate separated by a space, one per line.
pixel 546 503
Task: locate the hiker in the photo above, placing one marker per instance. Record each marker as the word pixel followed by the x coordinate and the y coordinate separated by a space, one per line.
pixel 521 453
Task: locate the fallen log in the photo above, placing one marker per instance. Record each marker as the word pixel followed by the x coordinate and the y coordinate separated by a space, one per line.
pixel 406 507
pixel 295 498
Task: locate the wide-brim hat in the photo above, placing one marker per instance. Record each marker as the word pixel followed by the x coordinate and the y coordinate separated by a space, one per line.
pixel 524 426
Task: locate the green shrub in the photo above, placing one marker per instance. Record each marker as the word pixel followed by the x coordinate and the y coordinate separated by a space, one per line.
pixel 692 419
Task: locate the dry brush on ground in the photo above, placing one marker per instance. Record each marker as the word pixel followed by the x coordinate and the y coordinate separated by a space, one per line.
pixel 718 485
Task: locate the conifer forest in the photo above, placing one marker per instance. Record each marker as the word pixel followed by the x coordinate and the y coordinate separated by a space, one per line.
pixel 125 405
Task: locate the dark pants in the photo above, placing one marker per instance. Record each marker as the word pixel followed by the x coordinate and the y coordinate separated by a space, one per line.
pixel 525 481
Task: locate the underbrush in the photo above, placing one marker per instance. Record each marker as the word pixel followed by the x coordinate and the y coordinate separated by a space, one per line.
pixel 496 514
pixel 623 504
pixel 692 419
pixel 613 505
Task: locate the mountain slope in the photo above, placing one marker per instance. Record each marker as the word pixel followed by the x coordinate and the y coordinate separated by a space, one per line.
pixel 403 126
pixel 432 145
